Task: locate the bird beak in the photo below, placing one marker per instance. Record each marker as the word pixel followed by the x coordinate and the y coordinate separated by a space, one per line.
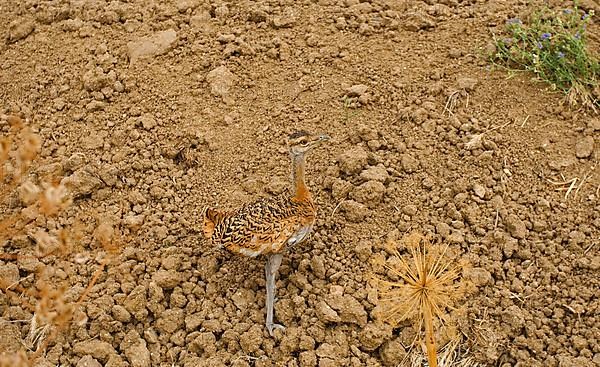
pixel 324 137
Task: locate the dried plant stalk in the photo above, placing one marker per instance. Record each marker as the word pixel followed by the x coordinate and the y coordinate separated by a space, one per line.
pixel 427 288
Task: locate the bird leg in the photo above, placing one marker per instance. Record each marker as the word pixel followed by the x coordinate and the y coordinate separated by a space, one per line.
pixel 271 267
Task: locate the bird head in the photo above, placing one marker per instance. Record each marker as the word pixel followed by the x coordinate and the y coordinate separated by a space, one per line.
pixel 301 142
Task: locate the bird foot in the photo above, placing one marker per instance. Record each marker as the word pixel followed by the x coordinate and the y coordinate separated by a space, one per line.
pixel 273 326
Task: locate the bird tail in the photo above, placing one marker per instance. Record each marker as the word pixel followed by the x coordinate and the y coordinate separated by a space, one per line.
pixel 210 219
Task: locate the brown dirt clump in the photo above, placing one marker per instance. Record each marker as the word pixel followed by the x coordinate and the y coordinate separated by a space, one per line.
pixel 148 111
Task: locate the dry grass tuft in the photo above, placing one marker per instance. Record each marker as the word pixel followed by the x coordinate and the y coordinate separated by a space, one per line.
pixel 429 285
pixel 41 293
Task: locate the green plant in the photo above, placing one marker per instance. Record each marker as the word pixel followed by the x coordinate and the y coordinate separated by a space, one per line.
pixel 552 44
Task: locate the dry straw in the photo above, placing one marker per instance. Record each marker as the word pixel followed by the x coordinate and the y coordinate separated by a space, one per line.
pixel 429 284
pixel 42 296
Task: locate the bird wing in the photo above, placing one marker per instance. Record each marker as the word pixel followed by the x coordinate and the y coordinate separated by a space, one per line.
pixel 262 227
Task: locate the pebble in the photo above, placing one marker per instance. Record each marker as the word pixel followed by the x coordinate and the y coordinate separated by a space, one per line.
pixel 516 227
pixel 135 350
pixel 221 81
pixel 479 190
pixel 393 353
pixel 19 29
pixel 167 279
pixel 376 173
pixel 353 161
pixel 409 163
pixel 151 46
pixel 88 361
pixel 466 83
pixel 356 90
pixel 585 147
pixel 369 193
pixel 326 314
pixel 147 121
pixel 170 321
pixel 81 183
pixel 373 335
pixel 98 349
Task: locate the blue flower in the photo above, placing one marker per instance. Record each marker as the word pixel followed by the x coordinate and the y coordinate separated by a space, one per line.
pixel 585 16
pixel 577 35
pixel 560 54
pixel 567 11
pixel 545 36
pixel 539 45
pixel 514 21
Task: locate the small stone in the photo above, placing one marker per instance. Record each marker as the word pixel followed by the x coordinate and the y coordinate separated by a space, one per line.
pixel 242 298
pixel 410 210
pixel 443 229
pixel 308 359
pixel 585 147
pixel 418 20
pixel 170 321
pixel 204 344
pixel 348 308
pixel 10 338
pixel 456 238
pixel 514 317
pixel 19 29
pixel 28 192
pixel 147 121
pixel 221 80
pixel 478 276
pixel 134 348
pixel 120 313
pixel 370 193
pixel 9 273
pixel 466 83
pixel 516 227
pixel 151 46
pixel 134 221
pixel 356 90
pixel 352 161
pixel 326 314
pixel 561 163
pixel 136 302
pixel 340 189
pixel 409 163
pixel 318 267
pixel 377 173
pixel 392 353
pixel 479 190
pixel 98 349
pixel 81 183
pixel 250 340
pixel 363 251
pixel 353 211
pixel 373 335
pixel 88 361
pixel 74 162
pixel 167 279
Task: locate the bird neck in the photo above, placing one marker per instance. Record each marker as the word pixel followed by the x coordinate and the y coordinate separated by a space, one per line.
pixel 299 185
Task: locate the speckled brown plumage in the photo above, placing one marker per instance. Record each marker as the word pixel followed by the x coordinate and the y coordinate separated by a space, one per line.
pixel 268 226
pixel 261 227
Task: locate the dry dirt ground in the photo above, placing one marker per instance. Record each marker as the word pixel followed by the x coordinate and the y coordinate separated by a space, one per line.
pixel 150 110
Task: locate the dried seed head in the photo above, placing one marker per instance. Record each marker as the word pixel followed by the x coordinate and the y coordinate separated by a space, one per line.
pixel 29 192
pixel 30 147
pixel 54 199
pixel 46 243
